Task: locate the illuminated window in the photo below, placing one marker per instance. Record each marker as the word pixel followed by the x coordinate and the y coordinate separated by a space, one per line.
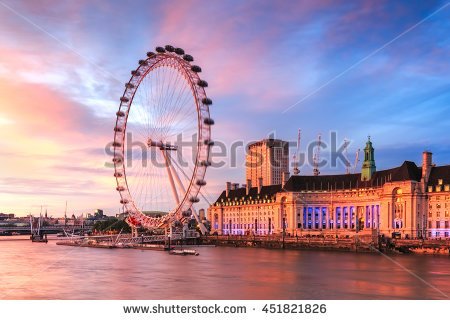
pixel 440 182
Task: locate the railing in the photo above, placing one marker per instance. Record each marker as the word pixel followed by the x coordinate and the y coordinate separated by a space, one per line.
pixel 128 239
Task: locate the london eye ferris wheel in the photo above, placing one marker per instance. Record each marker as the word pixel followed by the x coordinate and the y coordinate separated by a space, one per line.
pixel 162 139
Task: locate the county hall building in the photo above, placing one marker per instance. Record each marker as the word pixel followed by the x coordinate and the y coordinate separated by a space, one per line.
pixel 411 201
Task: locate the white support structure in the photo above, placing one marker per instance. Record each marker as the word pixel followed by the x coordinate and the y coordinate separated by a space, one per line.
pixel 183 190
pixel 169 173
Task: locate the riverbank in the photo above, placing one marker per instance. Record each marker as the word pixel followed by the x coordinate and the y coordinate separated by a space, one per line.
pixel 351 244
pixel 357 243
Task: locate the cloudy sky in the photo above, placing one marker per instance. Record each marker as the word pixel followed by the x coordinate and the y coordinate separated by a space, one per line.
pixel 351 67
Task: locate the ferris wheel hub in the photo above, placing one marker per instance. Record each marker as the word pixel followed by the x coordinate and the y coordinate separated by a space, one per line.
pixel 161 145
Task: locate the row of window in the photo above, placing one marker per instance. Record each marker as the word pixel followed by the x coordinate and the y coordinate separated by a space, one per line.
pixel 438 198
pixel 439 188
pixel 438 205
pixel 439 234
pixel 246 219
pixel 243 214
pixel 248 226
pixel 438 214
pixel 438 224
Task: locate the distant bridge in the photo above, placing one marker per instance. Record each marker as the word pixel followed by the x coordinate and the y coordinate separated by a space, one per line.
pixel 46 229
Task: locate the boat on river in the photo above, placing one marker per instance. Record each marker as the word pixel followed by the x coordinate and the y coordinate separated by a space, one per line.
pixel 36 233
pixel 184 252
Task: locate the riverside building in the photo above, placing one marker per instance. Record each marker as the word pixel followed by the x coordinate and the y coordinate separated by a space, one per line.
pixel 408 201
pixel 268 160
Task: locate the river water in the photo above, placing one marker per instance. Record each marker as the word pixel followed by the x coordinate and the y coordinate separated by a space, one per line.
pixel 48 271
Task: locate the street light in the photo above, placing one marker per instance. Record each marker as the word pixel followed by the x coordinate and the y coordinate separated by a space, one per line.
pixel 284 227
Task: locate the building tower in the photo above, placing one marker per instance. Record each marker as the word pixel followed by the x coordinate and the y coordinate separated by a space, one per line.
pixel 368 167
pixel 267 159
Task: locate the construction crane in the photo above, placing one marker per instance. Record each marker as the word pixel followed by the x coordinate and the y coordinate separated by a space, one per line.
pixel 316 171
pixel 296 158
pixel 356 161
pixel 347 162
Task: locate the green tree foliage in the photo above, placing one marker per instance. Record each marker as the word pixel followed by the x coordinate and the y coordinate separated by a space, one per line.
pixel 111 224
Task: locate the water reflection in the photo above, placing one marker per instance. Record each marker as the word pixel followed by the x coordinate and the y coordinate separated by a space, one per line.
pixel 47 271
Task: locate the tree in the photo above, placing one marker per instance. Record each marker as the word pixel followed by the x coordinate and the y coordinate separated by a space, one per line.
pixel 111 224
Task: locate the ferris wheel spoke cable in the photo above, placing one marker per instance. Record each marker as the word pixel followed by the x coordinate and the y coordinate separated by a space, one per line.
pixel 166 120
pixel 148 108
pixel 139 108
pixel 180 103
pixel 176 113
pixel 202 192
pixel 136 182
pixel 160 95
pixel 187 177
pixel 164 100
pixel 144 117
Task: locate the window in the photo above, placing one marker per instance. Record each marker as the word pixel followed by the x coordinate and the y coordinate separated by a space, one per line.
pixel 440 182
pixel 446 224
pixel 438 224
pixel 430 224
pixel 438 206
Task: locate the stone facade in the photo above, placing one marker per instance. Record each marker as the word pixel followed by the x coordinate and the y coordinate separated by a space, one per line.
pixel 406 201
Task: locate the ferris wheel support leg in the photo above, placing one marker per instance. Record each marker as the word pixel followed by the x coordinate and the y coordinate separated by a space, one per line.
pixel 169 173
pixel 183 190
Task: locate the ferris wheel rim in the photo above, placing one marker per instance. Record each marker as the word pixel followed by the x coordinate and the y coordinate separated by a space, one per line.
pixel 204 122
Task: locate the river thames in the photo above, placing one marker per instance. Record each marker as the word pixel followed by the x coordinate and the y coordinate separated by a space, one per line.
pixel 48 271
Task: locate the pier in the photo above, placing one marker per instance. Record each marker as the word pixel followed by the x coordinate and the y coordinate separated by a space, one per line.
pixel 149 242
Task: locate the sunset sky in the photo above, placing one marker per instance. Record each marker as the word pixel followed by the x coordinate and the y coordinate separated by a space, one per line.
pixel 354 67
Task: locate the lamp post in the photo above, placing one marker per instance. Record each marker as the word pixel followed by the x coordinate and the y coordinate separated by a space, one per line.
pixel 284 228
